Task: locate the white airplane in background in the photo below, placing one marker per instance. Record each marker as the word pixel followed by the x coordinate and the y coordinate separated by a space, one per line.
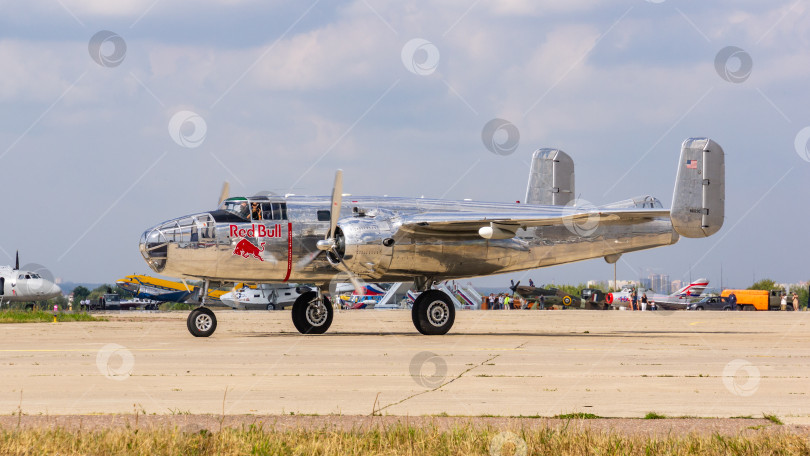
pixel 675 301
pixel 681 298
pixel 25 286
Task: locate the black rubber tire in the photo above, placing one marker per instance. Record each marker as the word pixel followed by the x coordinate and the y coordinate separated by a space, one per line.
pixel 271 306
pixel 201 322
pixel 698 308
pixel 310 320
pixel 433 313
pixel 413 314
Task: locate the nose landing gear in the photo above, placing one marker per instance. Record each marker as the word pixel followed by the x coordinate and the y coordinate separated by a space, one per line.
pixel 201 321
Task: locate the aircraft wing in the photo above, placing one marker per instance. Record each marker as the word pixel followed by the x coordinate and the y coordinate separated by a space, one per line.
pixel 535 292
pixel 504 224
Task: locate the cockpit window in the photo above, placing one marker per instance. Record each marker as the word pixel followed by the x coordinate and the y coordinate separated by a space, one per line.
pixel 239 207
pixel 253 210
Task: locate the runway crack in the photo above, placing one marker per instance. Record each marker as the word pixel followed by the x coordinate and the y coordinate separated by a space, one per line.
pixel 377 411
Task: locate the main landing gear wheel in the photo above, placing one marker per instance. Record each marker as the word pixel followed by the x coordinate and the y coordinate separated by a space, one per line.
pixel 201 322
pixel 271 306
pixel 433 313
pixel 311 315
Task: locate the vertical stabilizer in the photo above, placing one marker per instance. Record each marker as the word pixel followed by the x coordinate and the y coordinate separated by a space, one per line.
pixel 551 178
pixel 698 204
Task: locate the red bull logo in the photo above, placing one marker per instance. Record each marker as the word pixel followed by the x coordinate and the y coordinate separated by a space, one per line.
pixel 256 230
pixel 247 249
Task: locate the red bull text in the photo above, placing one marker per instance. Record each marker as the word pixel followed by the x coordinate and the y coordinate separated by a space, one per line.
pixel 256 230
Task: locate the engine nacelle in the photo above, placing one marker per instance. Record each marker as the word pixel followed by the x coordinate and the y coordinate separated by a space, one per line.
pixel 365 244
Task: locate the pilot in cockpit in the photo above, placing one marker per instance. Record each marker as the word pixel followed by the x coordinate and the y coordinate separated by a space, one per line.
pixel 255 211
pixel 243 210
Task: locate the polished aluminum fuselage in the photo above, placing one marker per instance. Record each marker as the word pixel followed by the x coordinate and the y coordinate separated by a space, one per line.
pixel 379 250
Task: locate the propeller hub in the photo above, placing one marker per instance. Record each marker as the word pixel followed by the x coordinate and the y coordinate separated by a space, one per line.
pixel 325 244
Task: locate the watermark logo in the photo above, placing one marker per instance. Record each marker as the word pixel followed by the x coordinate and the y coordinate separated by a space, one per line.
pixel 188 129
pixel 801 143
pixel 500 136
pixel 733 64
pixel 581 217
pixel 107 48
pixel 420 56
pixel 741 378
pixel 507 443
pixel 115 362
pixel 428 369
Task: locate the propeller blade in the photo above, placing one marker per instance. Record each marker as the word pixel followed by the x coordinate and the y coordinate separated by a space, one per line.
pixel 223 195
pixel 337 200
pixel 358 285
pixel 17 263
pixel 309 258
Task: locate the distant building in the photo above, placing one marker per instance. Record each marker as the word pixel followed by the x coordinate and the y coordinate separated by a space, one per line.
pixel 599 284
pixel 675 285
pixel 660 283
pixel 618 286
pixel 645 283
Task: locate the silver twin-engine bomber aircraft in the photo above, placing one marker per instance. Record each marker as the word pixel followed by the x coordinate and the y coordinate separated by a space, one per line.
pixel 274 239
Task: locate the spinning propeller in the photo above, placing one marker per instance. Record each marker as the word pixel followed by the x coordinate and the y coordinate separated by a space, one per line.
pixel 331 243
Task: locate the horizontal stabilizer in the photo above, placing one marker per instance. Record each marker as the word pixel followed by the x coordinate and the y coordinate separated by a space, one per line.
pixel 698 204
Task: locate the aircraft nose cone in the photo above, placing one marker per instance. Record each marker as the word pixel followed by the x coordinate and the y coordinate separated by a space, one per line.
pixel 153 246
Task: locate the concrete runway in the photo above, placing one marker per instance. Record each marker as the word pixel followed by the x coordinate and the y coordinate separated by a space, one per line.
pixel 506 363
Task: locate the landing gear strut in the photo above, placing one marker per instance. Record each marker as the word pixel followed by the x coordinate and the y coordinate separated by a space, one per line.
pixel 433 313
pixel 312 313
pixel 201 321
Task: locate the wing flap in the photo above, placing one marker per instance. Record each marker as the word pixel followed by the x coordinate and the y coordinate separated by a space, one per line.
pixel 469 223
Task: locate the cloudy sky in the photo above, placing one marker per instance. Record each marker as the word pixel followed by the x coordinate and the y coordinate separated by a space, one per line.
pixel 397 94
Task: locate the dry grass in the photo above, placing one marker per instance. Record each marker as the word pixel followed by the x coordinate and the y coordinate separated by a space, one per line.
pixel 398 439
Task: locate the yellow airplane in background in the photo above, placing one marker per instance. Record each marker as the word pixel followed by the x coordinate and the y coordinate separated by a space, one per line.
pixel 146 287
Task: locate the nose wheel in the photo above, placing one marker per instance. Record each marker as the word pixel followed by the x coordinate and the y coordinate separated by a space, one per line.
pixel 201 322
pixel 312 315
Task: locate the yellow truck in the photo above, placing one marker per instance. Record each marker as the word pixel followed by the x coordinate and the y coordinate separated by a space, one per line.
pixel 758 299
